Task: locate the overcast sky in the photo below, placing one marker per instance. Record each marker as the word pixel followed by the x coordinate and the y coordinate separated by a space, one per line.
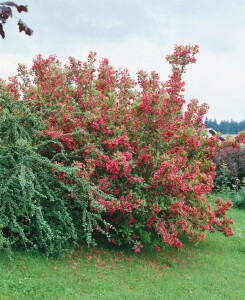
pixel 137 34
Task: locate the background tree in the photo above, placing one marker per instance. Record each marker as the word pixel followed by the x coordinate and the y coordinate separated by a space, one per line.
pixel 6 13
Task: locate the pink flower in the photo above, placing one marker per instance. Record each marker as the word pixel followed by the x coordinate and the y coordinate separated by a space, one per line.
pixel 137 248
pixel 134 236
pixel 158 248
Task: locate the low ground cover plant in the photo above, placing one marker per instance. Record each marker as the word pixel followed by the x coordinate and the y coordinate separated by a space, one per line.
pixel 125 162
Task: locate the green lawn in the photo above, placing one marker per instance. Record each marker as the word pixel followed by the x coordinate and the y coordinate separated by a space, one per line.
pixel 212 269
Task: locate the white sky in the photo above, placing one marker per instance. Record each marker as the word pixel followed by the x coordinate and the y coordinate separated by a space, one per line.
pixel 137 34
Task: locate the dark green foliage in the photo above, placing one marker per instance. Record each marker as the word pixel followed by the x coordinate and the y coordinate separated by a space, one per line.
pixel 226 127
pixel 37 210
pixel 239 196
pixel 227 189
pixel 33 214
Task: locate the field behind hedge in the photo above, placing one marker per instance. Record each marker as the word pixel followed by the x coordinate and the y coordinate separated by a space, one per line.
pixel 212 269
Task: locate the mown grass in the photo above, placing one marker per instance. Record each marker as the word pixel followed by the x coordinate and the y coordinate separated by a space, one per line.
pixel 212 269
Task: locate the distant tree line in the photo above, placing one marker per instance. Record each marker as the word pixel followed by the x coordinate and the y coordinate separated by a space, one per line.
pixel 225 127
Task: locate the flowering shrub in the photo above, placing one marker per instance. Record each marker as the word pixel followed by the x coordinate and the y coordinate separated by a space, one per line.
pixel 234 160
pixel 149 160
